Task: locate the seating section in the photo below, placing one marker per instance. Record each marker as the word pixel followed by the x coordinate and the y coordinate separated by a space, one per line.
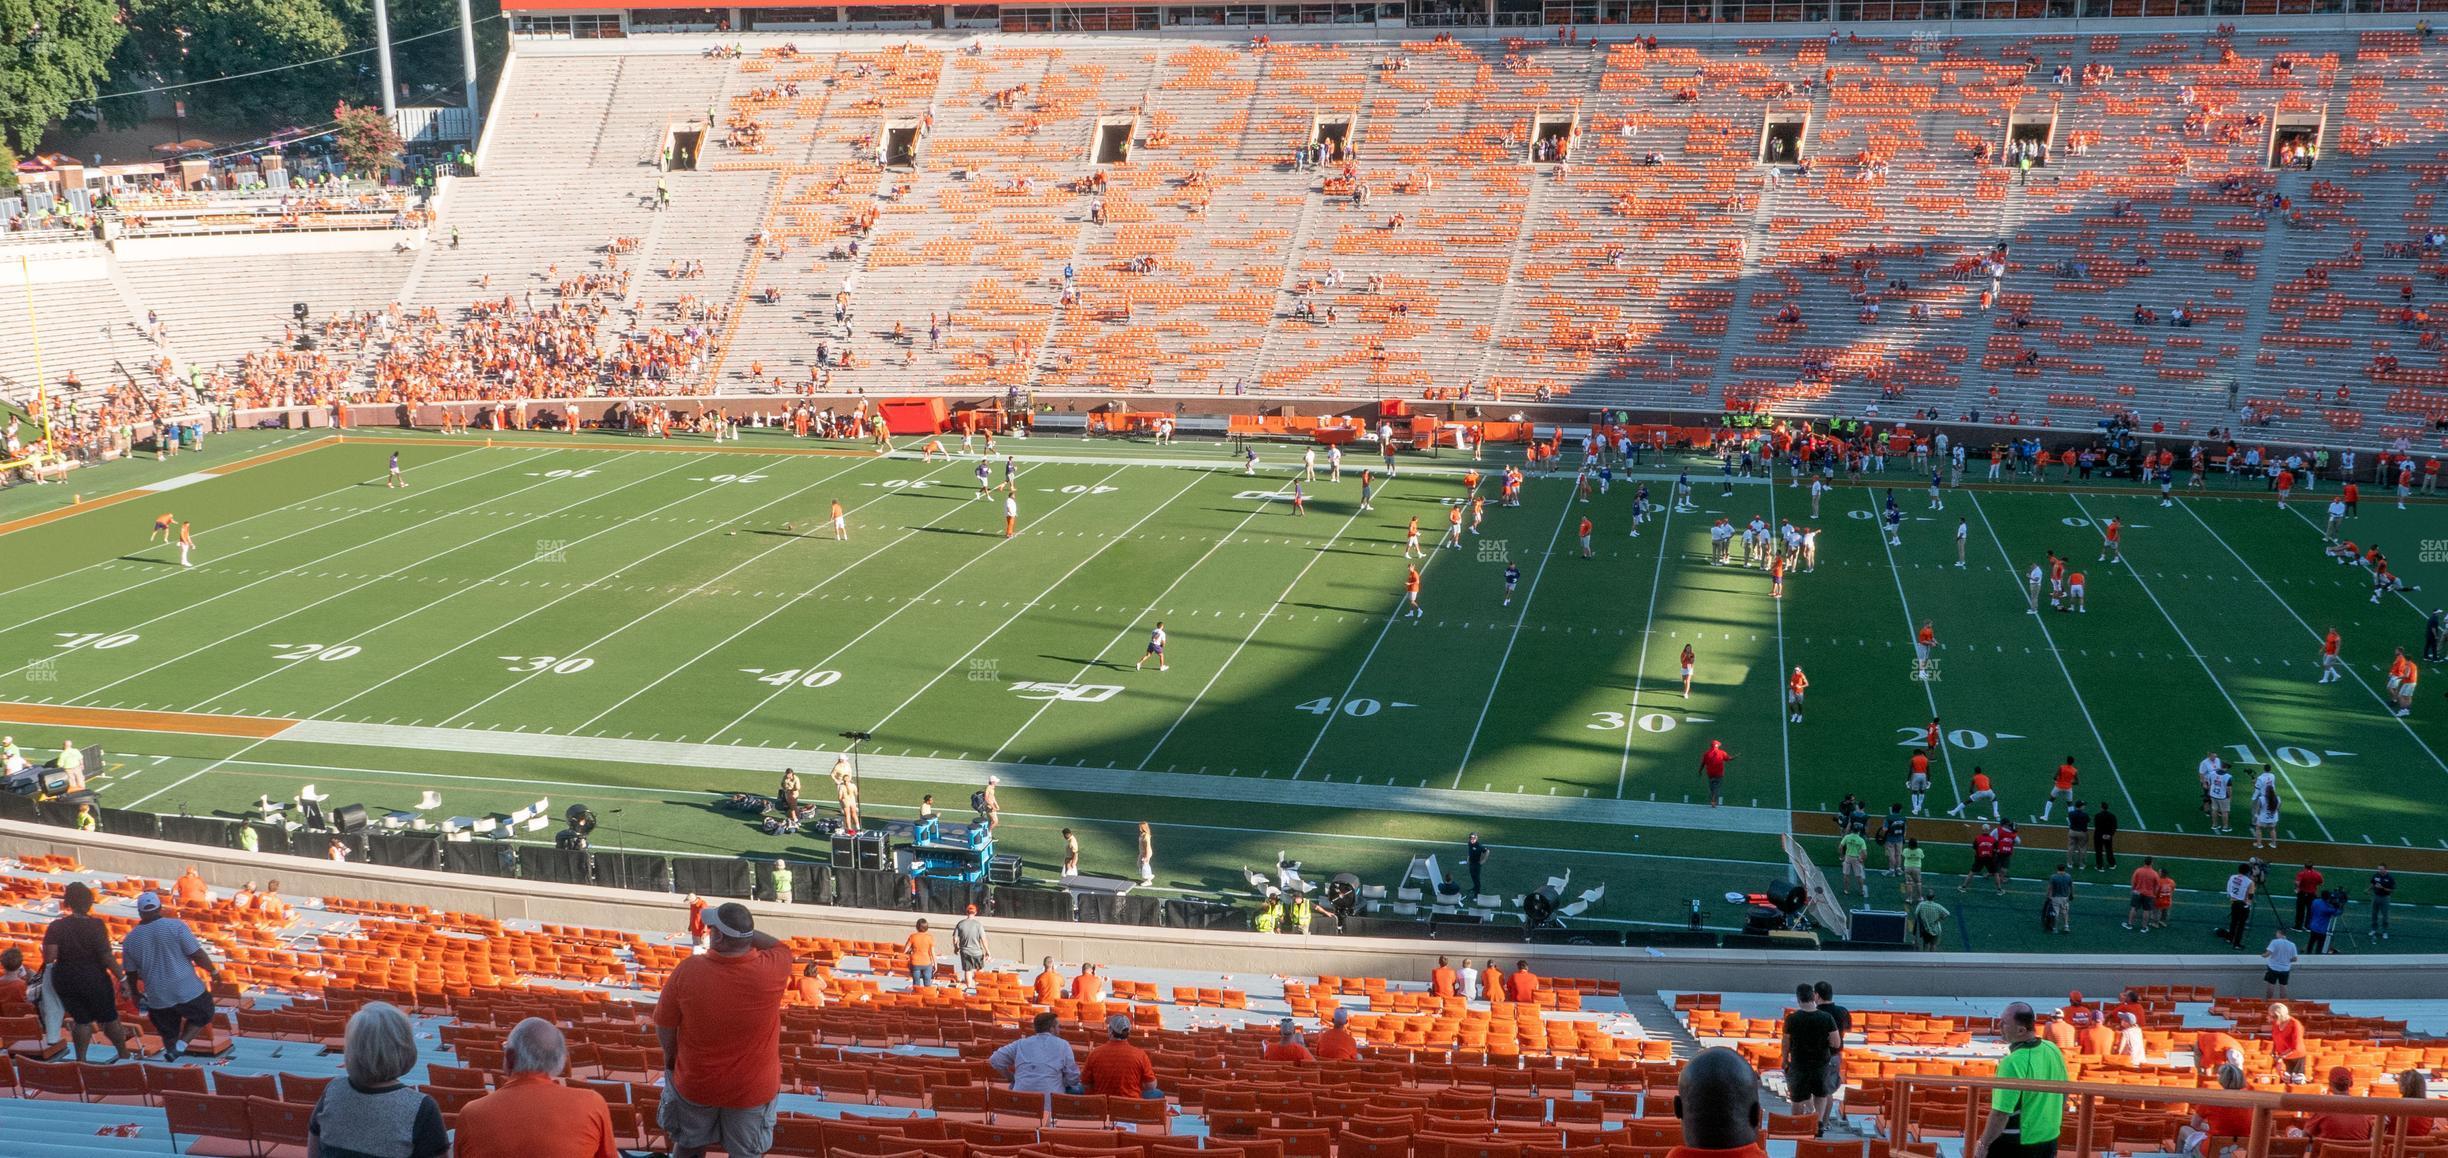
pixel 1506 219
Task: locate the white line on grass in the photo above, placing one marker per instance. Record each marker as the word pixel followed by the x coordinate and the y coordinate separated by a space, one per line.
pixel 1255 510
pixel 2133 811
pixel 521 618
pixel 906 604
pixel 90 693
pixel 1495 682
pixel 1025 607
pixel 239 522
pixel 652 611
pixel 1777 688
pixel 173 572
pixel 1264 618
pixel 2350 670
pixel 1640 667
pixel 948 510
pixel 2262 745
pixel 1946 756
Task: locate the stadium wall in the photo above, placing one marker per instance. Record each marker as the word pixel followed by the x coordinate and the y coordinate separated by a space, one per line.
pixel 1639 969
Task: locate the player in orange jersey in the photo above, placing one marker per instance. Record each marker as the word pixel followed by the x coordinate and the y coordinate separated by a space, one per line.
pixel 164 527
pixel 2329 658
pixel 186 543
pixel 841 526
pixel 1795 684
pixel 1411 585
pixel 2074 592
pixel 1453 528
pixel 1411 546
pixel 1981 792
pixel 2062 787
pixel 1586 553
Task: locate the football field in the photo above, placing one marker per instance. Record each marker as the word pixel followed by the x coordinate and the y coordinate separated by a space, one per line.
pixel 644 625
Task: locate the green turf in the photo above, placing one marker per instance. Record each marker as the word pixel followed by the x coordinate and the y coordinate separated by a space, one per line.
pixel 599 587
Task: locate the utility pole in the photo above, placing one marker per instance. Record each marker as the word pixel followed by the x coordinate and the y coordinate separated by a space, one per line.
pixel 467 61
pixel 382 55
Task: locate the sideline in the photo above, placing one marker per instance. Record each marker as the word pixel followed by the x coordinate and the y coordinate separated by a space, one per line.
pixel 137 492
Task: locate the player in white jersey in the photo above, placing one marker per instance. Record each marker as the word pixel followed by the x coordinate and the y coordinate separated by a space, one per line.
pixel 1155 649
pixel 1963 536
pixel 395 479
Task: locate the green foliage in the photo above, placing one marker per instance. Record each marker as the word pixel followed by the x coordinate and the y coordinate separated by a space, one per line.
pixel 368 143
pixel 53 53
pixel 176 41
pixel 8 169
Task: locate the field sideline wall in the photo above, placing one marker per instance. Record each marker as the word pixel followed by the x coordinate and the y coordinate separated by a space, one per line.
pixel 1205 951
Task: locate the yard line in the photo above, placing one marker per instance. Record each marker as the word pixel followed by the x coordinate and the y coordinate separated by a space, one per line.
pixel 1640 668
pixel 521 618
pixel 1150 609
pixel 1321 552
pixel 1946 757
pixel 878 726
pixel 2269 753
pixel 89 694
pixel 651 612
pixel 905 605
pixel 2350 669
pixel 1784 712
pixel 787 604
pixel 171 573
pixel 341 489
pixel 2133 811
pixel 1494 683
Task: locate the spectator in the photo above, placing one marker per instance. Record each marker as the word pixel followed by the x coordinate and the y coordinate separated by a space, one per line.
pixel 1522 986
pixel 2287 1042
pixel 1442 980
pixel 14 980
pixel 921 947
pixel 1040 1063
pixel 2281 958
pixel 2145 898
pixel 1833 1111
pixel 1335 1042
pixel 370 1112
pixel 161 958
pixel 1717 1099
pixel 190 890
pixel 2023 1123
pixel 1492 982
pixel 968 948
pixel 79 971
pixel 719 1022
pixel 2211 1124
pixel 1288 1046
pixel 1810 1041
pixel 1087 986
pixel 2340 1127
pixel 531 1114
pixel 1049 983
pixel 1929 920
pixel 1118 1069
pixel 2412 1084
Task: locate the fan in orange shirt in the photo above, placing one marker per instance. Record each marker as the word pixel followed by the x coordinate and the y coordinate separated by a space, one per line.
pixel 1049 983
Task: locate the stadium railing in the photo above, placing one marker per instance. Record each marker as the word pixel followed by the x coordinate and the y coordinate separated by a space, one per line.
pixel 2092 1105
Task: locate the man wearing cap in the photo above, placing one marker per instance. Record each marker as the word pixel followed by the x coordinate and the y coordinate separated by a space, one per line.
pixel 2340 1127
pixel 968 948
pixel 1288 1046
pixel 161 958
pixel 1118 1069
pixel 719 1021
pixel 1336 1042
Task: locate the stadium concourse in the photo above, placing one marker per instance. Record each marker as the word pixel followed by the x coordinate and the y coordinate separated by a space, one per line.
pixel 881 1053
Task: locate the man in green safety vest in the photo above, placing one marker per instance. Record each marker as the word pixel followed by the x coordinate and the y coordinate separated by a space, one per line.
pixel 781 882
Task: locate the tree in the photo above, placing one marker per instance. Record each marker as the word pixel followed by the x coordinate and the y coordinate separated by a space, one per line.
pixel 53 54
pixel 8 169
pixel 368 143
pixel 183 41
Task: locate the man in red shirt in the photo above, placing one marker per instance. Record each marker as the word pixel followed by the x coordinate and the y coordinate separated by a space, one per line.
pixel 1118 1069
pixel 1049 983
pixel 2340 1127
pixel 1523 984
pixel 719 1021
pixel 1491 983
pixel 1287 1046
pixel 1984 856
pixel 2307 889
pixel 1712 765
pixel 1717 1100
pixel 1442 980
pixel 1336 1043
pixel 531 1114
pixel 1088 986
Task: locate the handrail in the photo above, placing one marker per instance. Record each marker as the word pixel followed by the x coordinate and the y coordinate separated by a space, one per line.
pixel 2388 1142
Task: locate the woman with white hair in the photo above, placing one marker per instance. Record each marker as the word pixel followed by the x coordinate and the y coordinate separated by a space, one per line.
pixel 370 1114
pixel 531 1114
pixel 2230 1124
